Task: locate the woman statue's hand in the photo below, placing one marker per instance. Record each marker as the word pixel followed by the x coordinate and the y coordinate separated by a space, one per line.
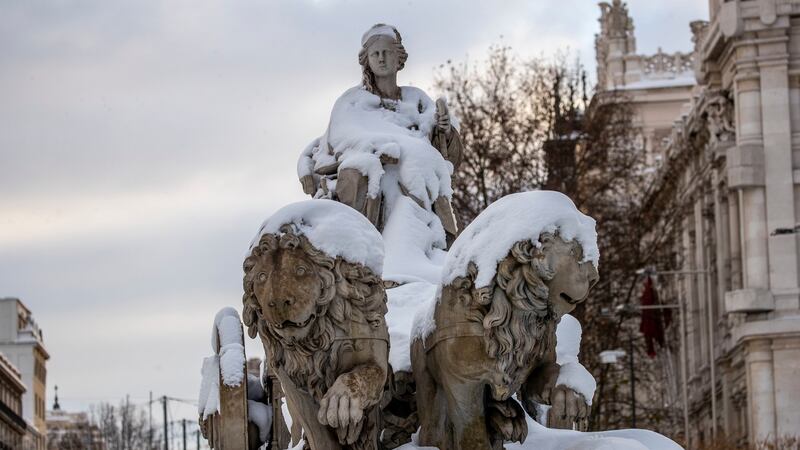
pixel 442 116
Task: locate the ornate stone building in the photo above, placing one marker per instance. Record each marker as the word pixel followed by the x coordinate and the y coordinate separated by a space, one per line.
pixel 658 85
pixel 22 343
pixel 12 425
pixel 730 162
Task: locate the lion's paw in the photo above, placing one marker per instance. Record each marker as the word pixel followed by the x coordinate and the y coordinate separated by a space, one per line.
pixel 507 420
pixel 340 408
pixel 569 409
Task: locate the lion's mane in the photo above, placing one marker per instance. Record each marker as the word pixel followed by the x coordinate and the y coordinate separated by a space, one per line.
pixel 517 316
pixel 351 292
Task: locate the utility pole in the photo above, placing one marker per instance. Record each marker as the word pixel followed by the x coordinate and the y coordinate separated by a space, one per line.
pixel 126 427
pixel 150 419
pixel 633 381
pixel 166 431
pixel 183 424
pixel 197 434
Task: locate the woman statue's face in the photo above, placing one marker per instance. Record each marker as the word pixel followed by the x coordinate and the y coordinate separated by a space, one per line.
pixel 383 56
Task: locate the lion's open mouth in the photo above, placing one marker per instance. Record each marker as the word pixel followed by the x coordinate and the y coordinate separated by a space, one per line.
pixel 292 324
pixel 568 299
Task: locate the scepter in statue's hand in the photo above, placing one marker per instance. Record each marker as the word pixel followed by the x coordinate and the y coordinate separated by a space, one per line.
pixel 443 125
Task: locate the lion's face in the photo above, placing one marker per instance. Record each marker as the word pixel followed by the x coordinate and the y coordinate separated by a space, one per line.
pixel 572 279
pixel 287 286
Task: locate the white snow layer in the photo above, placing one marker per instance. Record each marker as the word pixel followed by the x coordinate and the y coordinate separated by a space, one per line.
pixel 414 240
pixel 568 347
pixel 363 128
pixel 333 228
pixel 514 218
pixel 542 438
pixel 208 400
pixel 228 363
pixel 231 347
pixel 404 302
pixel 261 415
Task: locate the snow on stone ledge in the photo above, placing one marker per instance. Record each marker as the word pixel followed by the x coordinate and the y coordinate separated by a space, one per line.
pixel 231 347
pixel 332 227
pixel 228 363
pixel 514 218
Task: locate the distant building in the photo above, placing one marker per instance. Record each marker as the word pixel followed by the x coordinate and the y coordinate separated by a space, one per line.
pixel 730 161
pixel 658 86
pixel 66 430
pixel 22 343
pixel 12 425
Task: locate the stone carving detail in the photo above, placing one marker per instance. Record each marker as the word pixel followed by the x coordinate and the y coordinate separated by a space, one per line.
pixel 492 342
pixel 321 320
pixel 699 29
pixel 664 63
pixel 719 113
pixel 615 22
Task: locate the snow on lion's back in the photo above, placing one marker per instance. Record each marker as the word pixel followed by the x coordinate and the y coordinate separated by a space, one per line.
pixel 514 218
pixel 331 227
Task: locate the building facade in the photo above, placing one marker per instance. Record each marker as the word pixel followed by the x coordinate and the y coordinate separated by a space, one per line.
pixel 658 86
pixel 68 430
pixel 22 343
pixel 730 163
pixel 12 425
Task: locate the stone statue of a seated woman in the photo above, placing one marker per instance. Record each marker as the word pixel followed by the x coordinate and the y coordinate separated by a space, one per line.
pixel 385 141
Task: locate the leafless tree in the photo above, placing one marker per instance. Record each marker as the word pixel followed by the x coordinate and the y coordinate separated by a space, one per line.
pixel 529 124
pixel 124 427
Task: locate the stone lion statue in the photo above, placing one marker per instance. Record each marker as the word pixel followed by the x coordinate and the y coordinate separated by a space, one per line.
pixel 495 341
pixel 321 320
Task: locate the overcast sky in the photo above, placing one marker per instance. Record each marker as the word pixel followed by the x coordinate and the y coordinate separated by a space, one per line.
pixel 142 143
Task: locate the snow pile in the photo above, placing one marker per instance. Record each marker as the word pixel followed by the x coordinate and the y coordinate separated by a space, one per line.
pixel 208 400
pixel 514 218
pixel 542 438
pixel 568 346
pixel 231 347
pixel 333 228
pixel 414 240
pixel 404 302
pixel 261 415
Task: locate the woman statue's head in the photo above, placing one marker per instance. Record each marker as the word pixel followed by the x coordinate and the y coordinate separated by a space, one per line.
pixel 382 54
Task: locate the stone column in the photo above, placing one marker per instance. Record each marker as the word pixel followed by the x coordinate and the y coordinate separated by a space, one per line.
pixel 779 183
pixel 760 389
pixel 701 278
pixel 722 240
pixel 734 241
pixel 786 357
pixel 689 299
pixel 746 175
pixel 756 260
pixel 727 394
